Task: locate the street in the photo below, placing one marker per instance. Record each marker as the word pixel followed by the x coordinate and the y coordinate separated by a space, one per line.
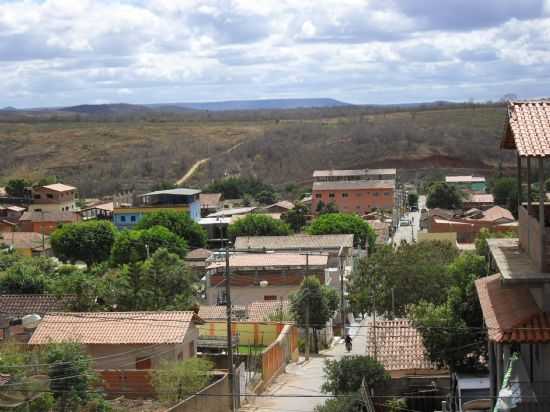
pixel 409 233
pixel 306 378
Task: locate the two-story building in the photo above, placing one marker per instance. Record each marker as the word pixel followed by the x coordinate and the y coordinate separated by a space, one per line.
pixel 516 300
pixel 355 174
pixel 126 216
pixel 56 197
pixel 474 184
pixel 262 276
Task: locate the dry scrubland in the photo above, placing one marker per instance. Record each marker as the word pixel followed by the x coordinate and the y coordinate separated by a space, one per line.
pixel 102 157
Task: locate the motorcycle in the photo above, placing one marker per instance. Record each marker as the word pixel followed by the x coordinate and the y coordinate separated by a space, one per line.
pixel 348 346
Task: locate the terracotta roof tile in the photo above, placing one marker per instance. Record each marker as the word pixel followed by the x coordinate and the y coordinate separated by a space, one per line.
pixel 528 128
pixel 198 254
pixel 114 328
pixel 399 346
pixel 511 314
pixel 21 305
pixel 59 187
pixel 260 311
pixel 245 260
pixel 217 312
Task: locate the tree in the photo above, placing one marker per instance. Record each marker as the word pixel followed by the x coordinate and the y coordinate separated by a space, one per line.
pixel 266 197
pixel 452 332
pixel 344 223
pixel 344 376
pixel 444 196
pixel 16 187
pixel 310 306
pixel 174 381
pixel 412 199
pixel 162 282
pixel 331 297
pixel 23 277
pixel 482 248
pixel 136 245
pixel 178 223
pixel 90 242
pixel 347 404
pixel 296 218
pixel 330 207
pixel 256 224
pixel 237 187
pixel 505 193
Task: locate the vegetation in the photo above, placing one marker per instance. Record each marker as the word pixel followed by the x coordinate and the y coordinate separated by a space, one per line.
pixel 16 187
pixel 239 187
pixel 178 223
pixel 348 404
pixel 89 242
pixel 482 248
pixel 505 192
pixel 257 224
pixel 296 218
pixel 390 280
pixel 344 223
pixel 137 245
pixel 344 376
pixel 412 199
pixel 444 196
pixel 174 381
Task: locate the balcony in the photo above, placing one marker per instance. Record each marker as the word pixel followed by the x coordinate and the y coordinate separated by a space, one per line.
pixel 534 238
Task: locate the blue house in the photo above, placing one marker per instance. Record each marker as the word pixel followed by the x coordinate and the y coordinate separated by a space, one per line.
pixel 180 200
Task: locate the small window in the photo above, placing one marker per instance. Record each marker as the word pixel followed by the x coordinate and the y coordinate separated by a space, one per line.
pixel 123 218
pixel 270 297
pixel 143 363
pixel 49 196
pixel 376 194
pixel 132 218
pixel 386 193
pixel 331 195
pixel 37 196
pixel 344 195
pixel 318 195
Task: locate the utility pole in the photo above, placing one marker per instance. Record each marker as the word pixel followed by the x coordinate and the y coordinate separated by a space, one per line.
pixel 307 327
pixel 230 368
pixel 342 308
pixel 374 325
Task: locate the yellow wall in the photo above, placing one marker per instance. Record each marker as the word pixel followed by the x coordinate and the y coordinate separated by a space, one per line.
pixel 250 333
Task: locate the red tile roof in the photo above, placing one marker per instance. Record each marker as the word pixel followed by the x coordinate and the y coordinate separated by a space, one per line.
pixel 261 311
pixel 21 305
pixel 528 128
pixel 217 312
pixel 511 314
pixel 114 328
pixel 259 260
pixel 399 346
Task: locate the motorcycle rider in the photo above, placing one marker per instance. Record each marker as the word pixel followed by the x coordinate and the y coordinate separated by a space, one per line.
pixel 348 341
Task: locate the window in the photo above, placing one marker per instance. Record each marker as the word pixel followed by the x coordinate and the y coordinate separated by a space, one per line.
pixel 270 297
pixel 344 195
pixel 331 195
pixel 386 193
pixel 49 196
pixel 143 363
pixel 318 195
pixel 376 194
pixel 132 218
pixel 38 210
pixel 123 218
pixel 37 196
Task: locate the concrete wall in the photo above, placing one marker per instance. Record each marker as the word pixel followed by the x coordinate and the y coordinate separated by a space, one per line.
pixel 210 399
pixel 244 295
pixel 359 201
pixel 281 352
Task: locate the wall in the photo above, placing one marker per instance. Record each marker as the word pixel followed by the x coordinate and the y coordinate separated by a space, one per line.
pixel 445 237
pixel 212 399
pixel 359 201
pixel 250 333
pixel 52 207
pixel 281 352
pixel 249 294
pixel 138 212
pixel 130 383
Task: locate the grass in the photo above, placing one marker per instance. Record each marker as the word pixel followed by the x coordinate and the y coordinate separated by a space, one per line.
pixel 245 349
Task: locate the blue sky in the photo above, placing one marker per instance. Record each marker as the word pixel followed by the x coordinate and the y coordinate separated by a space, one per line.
pixel 64 52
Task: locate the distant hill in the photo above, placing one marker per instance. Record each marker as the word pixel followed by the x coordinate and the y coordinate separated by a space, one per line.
pixel 263 104
pixel 107 109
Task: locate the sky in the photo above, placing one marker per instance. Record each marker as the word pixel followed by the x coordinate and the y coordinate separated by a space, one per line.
pixel 66 52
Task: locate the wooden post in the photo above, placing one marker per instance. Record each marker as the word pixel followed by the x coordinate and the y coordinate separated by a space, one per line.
pixel 529 183
pixel 519 189
pixel 542 195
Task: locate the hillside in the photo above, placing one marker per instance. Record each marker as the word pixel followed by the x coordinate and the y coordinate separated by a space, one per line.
pixel 102 157
pixel 264 104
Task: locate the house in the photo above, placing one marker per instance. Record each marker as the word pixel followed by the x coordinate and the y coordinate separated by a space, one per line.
pixel 354 196
pixel 56 197
pixel 253 312
pixel 11 213
pixel 475 184
pixel 99 210
pixel 216 230
pixel 382 230
pixel 482 201
pixel 14 307
pixel 210 203
pixel 26 243
pixel 46 222
pixel 126 216
pixel 196 259
pixel 124 340
pixel 516 300
pixel 357 174
pixel 336 247
pixel 280 207
pixel 262 276
pixel 230 212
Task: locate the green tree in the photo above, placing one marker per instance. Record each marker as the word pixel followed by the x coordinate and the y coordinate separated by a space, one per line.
pixel 162 282
pixel 238 187
pixel 266 197
pixel 310 301
pixel 412 199
pixel 345 375
pixel 174 381
pixel 347 404
pixel 296 218
pixel 344 223
pixel 16 187
pixel 24 277
pixel 505 193
pixel 330 207
pixel 179 223
pixel 482 247
pixel 89 242
pixel 135 245
pixel 257 224
pixel 444 196
pixel 332 298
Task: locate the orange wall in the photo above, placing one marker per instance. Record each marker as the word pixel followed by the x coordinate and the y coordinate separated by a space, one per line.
pixel 359 201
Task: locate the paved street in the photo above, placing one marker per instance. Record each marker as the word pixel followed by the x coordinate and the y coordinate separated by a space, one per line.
pixel 410 233
pixel 305 379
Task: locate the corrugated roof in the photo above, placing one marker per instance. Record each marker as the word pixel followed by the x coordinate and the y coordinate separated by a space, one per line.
pixel 114 328
pixel 528 128
pixel 340 173
pixel 59 187
pixel 464 179
pixel 234 211
pixel 511 314
pixel 480 198
pixel 399 346
pixel 210 200
pixel 306 242
pixel 271 259
pixel 21 305
pixel 354 185
pixel 180 191
pixel 285 204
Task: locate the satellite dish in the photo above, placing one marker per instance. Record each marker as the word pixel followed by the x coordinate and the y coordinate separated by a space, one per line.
pixel 30 321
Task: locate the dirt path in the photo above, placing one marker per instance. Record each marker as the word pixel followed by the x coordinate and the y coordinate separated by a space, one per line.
pixel 189 174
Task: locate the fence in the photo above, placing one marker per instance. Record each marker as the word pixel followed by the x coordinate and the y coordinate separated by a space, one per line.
pixel 130 383
pixel 213 398
pixel 276 356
